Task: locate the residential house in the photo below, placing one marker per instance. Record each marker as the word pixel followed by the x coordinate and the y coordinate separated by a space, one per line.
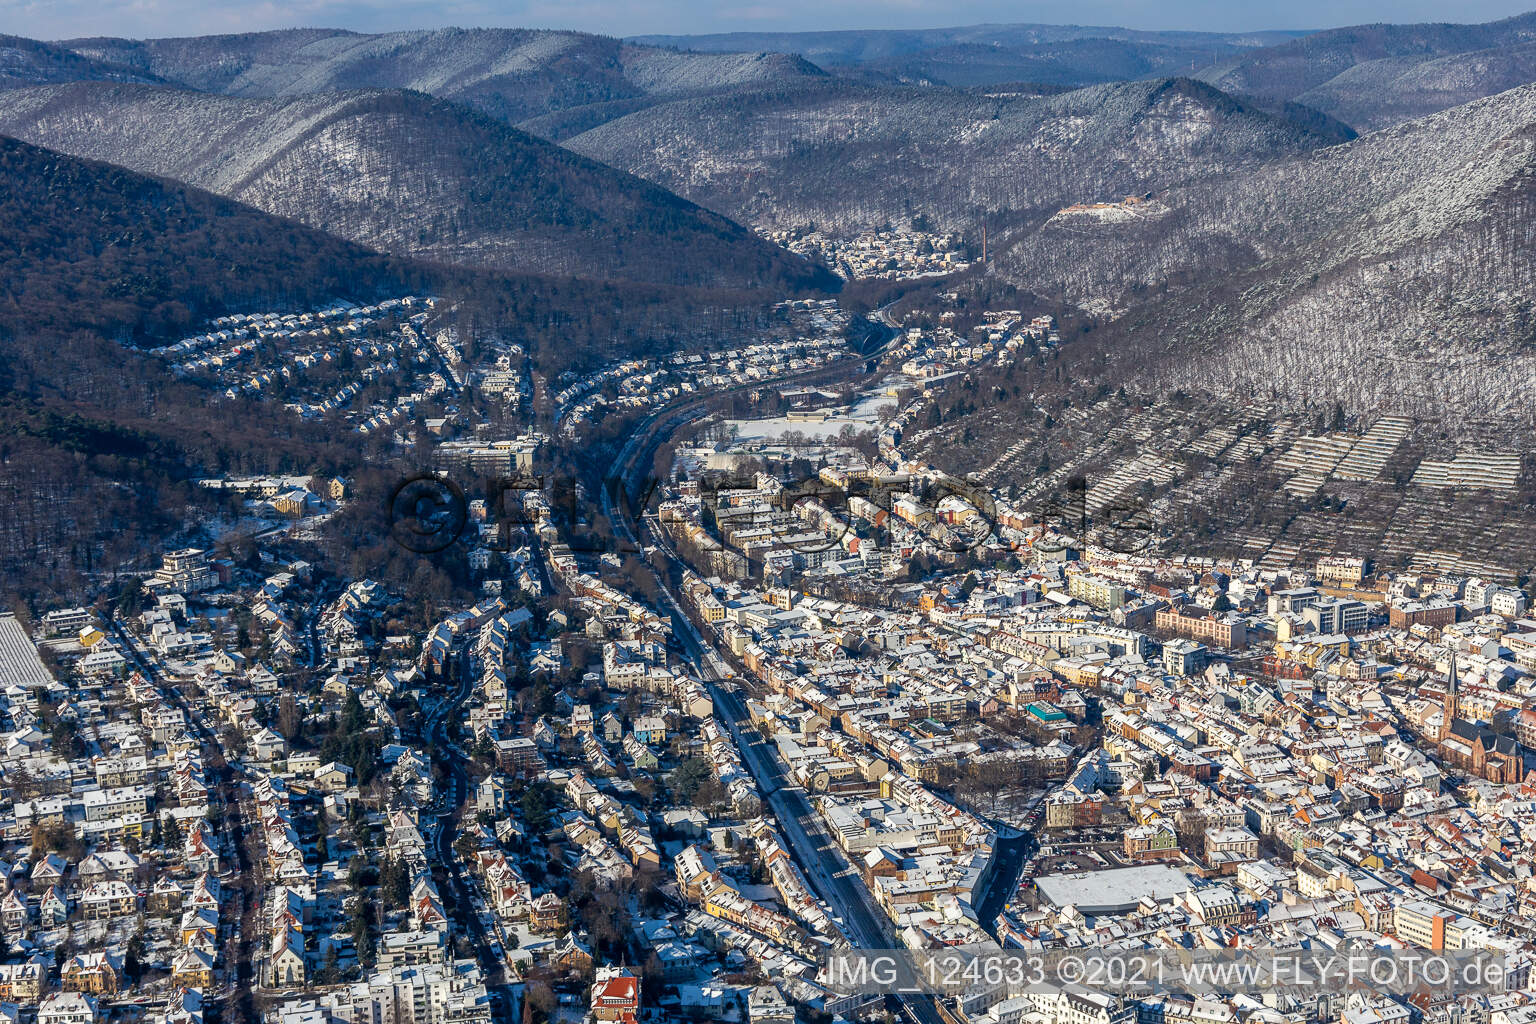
pixel 94 973
pixel 192 968
pixel 15 911
pixel 285 964
pixel 200 928
pixel 166 896
pixel 67 1008
pixel 106 900
pixel 616 996
pixel 650 730
pixel 333 777
pixel 547 913
pixel 53 908
pixel 22 983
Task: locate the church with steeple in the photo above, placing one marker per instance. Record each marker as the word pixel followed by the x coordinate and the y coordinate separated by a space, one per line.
pixel 1471 746
pixel 1450 707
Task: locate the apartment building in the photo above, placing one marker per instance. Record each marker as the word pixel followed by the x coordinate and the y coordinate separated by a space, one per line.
pixel 1228 633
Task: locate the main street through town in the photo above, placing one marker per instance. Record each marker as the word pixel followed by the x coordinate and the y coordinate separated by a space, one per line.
pixel 239 879
pixel 451 799
pixel 831 875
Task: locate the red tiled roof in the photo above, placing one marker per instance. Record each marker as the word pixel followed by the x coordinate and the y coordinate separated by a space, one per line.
pixel 616 993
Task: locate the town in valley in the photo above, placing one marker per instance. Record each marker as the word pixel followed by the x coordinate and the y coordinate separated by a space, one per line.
pixel 818 519
pixel 763 690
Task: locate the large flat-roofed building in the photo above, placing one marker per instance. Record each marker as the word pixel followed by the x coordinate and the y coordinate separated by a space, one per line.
pixel 1337 615
pixel 490 458
pixel 1104 594
pixel 1183 657
pixel 1049 716
pixel 1117 891
pixel 1294 600
pixel 67 621
pixel 186 571
pixel 1422 923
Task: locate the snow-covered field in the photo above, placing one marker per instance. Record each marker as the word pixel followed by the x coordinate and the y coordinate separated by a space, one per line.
pixel 863 415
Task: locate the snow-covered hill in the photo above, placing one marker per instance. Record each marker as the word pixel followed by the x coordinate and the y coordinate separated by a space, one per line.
pixel 407 174
pixel 25 62
pixel 1393 273
pixel 513 74
pixel 849 157
pixel 1372 76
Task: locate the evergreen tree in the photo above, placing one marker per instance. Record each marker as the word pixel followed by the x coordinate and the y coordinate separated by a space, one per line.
pixel 173 837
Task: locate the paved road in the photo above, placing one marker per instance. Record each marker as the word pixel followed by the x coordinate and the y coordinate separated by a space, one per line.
pixel 230 821
pixel 449 805
pixel 629 468
pixel 1007 861
pixel 825 867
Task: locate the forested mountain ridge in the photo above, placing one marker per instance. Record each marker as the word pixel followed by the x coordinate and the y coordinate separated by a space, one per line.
pixel 1384 285
pixel 854 47
pixel 1368 76
pixel 1394 273
pixel 1372 76
pixel 409 174
pixel 1068 62
pixel 511 74
pixel 25 62
pixel 562 84
pixel 97 439
pixel 848 156
pixel 98 442
pixel 1391 275
pixel 89 247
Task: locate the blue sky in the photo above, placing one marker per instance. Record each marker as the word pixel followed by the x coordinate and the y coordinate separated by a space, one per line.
pixel 56 19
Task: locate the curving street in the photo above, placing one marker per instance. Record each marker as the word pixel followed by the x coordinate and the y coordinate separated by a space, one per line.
pixel 823 862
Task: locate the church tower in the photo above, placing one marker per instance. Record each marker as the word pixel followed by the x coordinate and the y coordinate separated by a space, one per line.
pixel 1452 704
